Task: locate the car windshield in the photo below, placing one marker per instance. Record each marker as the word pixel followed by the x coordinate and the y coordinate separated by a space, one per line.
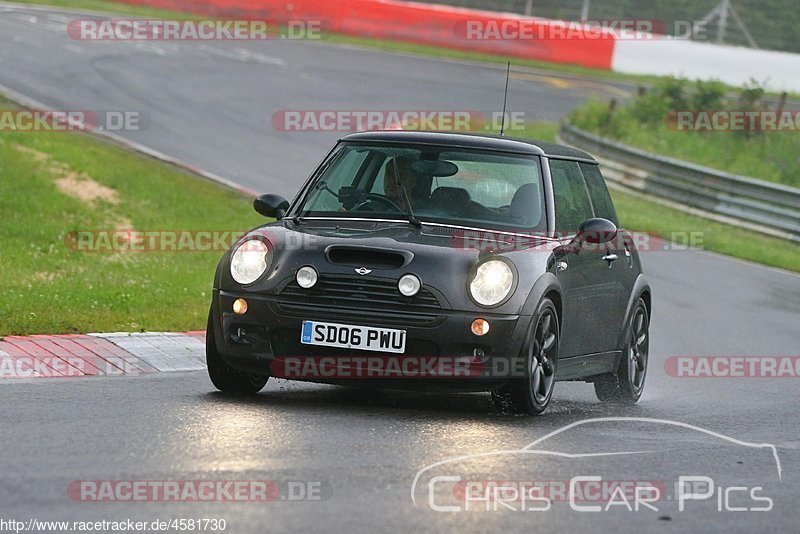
pixel 439 184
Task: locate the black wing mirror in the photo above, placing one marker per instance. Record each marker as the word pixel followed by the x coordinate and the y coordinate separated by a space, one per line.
pixel 596 231
pixel 270 205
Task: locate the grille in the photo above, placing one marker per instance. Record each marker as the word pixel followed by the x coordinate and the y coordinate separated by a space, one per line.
pixel 359 292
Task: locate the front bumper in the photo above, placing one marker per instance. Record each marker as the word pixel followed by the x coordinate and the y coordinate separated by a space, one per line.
pixel 268 334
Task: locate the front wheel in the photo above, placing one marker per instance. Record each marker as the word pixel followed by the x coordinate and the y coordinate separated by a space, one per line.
pixel 531 394
pixel 627 384
pixel 224 377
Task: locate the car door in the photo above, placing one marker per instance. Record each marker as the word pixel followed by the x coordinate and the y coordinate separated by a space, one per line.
pixel 590 299
pixel 623 273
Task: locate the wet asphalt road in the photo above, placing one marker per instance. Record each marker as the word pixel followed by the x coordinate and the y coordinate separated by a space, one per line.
pixel 363 449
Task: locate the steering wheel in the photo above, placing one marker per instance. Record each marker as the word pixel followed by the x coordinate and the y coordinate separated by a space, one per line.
pixel 378 199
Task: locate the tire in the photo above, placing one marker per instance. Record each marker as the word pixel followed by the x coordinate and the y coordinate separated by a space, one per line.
pixel 224 377
pixel 531 394
pixel 626 385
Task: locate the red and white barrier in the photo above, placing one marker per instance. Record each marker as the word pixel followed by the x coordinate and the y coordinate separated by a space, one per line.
pixel 417 23
pixel 444 26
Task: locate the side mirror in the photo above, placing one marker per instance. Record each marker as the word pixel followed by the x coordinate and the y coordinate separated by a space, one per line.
pixel 596 231
pixel 270 205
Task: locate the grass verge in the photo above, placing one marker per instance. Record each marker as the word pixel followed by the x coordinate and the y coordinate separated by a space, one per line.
pixel 649 122
pixel 56 183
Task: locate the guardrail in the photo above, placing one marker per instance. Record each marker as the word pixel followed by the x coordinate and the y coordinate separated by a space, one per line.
pixel 771 209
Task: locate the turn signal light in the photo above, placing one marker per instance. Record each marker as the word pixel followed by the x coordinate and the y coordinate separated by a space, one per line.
pixel 480 327
pixel 239 306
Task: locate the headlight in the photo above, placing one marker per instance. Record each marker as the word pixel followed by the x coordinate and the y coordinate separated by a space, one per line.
pixel 249 261
pixel 493 282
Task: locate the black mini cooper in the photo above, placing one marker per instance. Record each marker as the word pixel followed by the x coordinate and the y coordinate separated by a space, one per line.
pixel 422 259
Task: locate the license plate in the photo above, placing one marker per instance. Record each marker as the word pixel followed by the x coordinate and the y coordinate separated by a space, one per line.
pixel 353 337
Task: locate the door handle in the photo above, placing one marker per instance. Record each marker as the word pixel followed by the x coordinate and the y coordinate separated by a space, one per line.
pixel 610 257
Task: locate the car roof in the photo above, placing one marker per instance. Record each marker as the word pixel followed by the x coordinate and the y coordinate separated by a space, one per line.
pixel 472 140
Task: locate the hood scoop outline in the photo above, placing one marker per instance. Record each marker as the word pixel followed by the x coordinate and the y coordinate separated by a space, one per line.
pixel 367 257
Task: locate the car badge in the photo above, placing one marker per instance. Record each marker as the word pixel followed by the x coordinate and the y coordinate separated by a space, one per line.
pixel 363 270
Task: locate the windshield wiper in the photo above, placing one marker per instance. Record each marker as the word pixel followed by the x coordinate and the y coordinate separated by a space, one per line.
pixel 402 188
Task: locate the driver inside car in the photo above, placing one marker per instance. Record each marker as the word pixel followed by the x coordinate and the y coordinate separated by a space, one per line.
pixel 407 179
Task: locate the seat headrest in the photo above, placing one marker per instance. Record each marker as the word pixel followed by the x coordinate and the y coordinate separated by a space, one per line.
pixel 450 196
pixel 526 206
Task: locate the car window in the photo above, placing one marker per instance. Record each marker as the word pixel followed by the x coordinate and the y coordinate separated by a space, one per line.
pixel 571 196
pixel 461 187
pixel 343 170
pixel 598 192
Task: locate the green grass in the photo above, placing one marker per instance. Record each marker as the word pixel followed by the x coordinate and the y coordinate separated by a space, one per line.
pixel 771 156
pixel 540 131
pixel 48 287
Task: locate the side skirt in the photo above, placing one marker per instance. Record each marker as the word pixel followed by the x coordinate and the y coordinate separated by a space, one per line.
pixel 584 367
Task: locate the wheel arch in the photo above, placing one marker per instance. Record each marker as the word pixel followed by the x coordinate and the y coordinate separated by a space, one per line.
pixel 641 289
pixel 547 286
pixel 555 297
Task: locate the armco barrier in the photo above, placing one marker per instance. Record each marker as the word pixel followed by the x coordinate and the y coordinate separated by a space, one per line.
pixel 769 208
pixel 428 24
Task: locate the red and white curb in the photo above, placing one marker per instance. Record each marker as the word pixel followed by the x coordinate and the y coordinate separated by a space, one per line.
pixel 114 354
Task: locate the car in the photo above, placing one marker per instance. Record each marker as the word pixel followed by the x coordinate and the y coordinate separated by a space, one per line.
pixel 503 255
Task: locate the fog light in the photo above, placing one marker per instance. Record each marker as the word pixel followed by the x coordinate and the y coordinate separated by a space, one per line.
pixel 409 285
pixel 306 277
pixel 480 327
pixel 239 306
